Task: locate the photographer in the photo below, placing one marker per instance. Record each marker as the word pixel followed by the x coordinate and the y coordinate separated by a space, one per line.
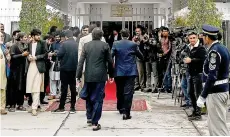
pixel 140 39
pixel 195 61
pixel 151 49
pixel 165 61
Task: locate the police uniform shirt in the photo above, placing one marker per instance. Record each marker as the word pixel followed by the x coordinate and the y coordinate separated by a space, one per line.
pixel 216 70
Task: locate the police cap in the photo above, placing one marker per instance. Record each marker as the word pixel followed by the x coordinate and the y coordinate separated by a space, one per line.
pixel 210 30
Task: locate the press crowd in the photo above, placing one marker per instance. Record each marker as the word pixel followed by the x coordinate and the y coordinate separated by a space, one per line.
pixel 31 66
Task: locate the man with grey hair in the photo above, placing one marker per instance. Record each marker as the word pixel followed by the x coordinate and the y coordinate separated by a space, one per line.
pixel 98 59
pixel 85 40
pixel 68 66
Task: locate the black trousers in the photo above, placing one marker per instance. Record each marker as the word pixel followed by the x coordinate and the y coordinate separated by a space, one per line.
pixel 125 90
pixel 68 78
pixel 195 88
pixel 7 92
pixel 16 90
pixel 16 97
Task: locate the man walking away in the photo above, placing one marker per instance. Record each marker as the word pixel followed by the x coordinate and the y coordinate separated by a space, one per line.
pixel 216 87
pixel 125 53
pixel 96 54
pixel 68 66
pixel 85 40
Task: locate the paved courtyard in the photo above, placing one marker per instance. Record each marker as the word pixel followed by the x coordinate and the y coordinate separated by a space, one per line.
pixel 161 119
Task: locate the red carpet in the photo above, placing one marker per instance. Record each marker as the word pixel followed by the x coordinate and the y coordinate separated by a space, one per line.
pixel 109 105
pixel 110 91
pixel 110 101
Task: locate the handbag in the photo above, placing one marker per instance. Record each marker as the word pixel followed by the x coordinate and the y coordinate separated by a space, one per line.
pixel 56 65
pixel 84 93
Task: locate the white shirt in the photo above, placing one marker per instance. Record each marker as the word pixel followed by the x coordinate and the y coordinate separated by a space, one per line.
pixel 115 37
pixel 34 47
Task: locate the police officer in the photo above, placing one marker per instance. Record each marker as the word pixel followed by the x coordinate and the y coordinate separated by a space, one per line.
pixel 215 78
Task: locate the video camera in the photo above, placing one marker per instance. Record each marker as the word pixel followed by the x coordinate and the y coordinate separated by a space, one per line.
pixel 179 37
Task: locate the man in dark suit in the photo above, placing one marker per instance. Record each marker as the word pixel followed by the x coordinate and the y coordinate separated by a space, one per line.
pixel 125 53
pixel 97 56
pixel 114 37
pixel 68 55
pixel 36 68
pixel 7 37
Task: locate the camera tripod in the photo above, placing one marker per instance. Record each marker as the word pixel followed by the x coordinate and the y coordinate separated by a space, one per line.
pixel 176 83
pixel 162 85
pixel 176 91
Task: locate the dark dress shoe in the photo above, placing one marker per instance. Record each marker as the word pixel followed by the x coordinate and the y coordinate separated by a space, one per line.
pixel 136 87
pixel 126 117
pixel 121 111
pixel 96 127
pixel 195 117
pixel 147 90
pixel 184 105
pixel 169 91
pixel 155 91
pixel 43 102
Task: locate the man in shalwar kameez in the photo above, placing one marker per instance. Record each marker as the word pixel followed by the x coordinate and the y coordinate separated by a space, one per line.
pixel 4 58
pixel 36 69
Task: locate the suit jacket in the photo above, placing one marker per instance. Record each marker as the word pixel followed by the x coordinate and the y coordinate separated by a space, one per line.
pixel 97 56
pixel 85 40
pixel 41 54
pixel 68 55
pixel 125 53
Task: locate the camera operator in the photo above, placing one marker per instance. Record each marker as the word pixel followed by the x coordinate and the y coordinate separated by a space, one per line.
pixel 140 39
pixel 165 64
pixel 151 49
pixel 195 61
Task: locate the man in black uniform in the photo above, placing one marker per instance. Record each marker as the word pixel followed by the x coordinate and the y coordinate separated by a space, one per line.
pixel 195 61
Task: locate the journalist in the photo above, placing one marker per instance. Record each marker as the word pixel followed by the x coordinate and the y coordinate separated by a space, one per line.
pixel 195 61
pixel 151 50
pixel 140 40
pixel 166 60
